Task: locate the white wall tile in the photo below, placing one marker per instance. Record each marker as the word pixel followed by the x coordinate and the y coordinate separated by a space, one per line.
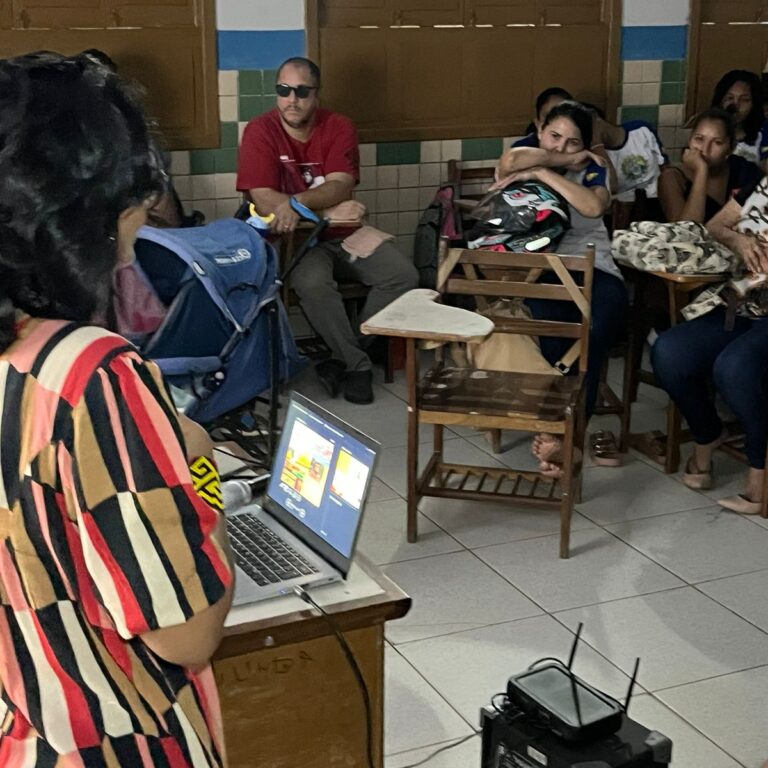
pixel 426 196
pixel 367 154
pixel 259 14
pixel 450 149
pixel 387 222
pixel 633 71
pixel 651 71
pixel 631 93
pixel 226 208
pixel 179 162
pixel 228 82
pixel 226 185
pixel 367 198
pixel 668 115
pixel 386 201
pixel 649 94
pixel 430 174
pixel 207 208
pixel 406 222
pixel 183 185
pixel 430 151
pixel 408 199
pixel 667 136
pixel 367 178
pixel 650 13
pixel 228 109
pixel 204 187
pixel 386 177
pixel 408 176
pixel 681 137
pixel 241 129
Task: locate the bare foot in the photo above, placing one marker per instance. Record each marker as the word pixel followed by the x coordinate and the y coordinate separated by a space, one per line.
pixel 547 448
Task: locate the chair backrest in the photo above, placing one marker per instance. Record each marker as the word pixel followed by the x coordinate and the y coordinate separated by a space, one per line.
pixel 470 183
pixel 489 275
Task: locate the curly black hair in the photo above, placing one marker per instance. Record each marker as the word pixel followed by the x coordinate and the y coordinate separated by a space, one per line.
pixel 75 152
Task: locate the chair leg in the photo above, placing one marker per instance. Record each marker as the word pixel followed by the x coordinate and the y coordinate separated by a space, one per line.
pixel 764 503
pixel 412 460
pixel 496 440
pixel 389 364
pixel 567 487
pixel 674 428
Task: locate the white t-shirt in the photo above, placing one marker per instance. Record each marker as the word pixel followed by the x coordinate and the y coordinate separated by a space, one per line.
pixel 756 152
pixel 754 211
pixel 637 161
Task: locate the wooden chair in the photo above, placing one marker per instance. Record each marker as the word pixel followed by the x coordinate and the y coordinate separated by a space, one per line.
pixel 450 395
pixel 470 183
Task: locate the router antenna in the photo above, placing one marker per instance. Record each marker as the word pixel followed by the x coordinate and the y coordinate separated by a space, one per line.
pixel 631 684
pixel 572 654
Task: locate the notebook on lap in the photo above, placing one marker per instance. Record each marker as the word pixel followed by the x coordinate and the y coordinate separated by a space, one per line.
pixel 305 530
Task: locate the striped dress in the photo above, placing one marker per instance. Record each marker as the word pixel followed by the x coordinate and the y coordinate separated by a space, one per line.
pixel 102 538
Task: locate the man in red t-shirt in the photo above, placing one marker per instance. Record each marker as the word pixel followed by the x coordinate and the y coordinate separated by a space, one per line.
pixel 303 151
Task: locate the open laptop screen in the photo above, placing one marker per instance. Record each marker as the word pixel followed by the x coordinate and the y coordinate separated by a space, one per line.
pixel 321 474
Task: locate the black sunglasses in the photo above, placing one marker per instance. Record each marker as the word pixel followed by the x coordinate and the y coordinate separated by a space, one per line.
pixel 301 91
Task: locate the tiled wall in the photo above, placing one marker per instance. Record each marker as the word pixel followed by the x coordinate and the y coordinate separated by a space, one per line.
pixel 398 179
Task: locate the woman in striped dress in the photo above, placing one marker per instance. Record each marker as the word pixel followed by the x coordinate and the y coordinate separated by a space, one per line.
pixel 115 577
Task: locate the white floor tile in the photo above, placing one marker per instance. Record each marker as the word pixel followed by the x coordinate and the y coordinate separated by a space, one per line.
pixel 690 749
pixel 613 495
pixel 681 636
pixel 468 668
pixel 600 568
pixel 414 714
pixel 478 524
pixel 383 535
pixel 380 491
pixel 461 756
pixel 730 710
pixel 446 591
pixel 744 595
pixel 699 545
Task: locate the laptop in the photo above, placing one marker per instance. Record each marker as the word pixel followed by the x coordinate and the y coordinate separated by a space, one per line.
pixel 305 530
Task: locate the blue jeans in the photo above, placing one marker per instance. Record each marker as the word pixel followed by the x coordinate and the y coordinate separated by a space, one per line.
pixel 689 356
pixel 609 319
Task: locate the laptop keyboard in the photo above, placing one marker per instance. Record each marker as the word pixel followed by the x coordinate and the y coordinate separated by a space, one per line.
pixel 262 554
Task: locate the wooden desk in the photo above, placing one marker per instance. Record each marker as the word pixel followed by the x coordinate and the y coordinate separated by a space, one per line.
pixel 288 695
pixel 678 289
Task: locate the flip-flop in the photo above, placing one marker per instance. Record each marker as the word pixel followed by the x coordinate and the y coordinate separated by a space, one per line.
pixel 604 450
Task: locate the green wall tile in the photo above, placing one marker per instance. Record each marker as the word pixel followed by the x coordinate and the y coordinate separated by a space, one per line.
pixel 650 114
pixel 250 106
pixel 228 135
pixel 251 82
pixel 398 153
pixel 270 78
pixel 202 161
pixel 672 93
pixel 481 149
pixel 267 103
pixel 673 71
pixel 225 160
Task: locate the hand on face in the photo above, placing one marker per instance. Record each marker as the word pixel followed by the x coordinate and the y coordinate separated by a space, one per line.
pixel 694 161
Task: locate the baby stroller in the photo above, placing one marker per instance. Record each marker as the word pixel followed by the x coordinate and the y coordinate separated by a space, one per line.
pixel 224 339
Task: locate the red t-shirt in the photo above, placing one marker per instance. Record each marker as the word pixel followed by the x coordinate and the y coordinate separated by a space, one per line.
pixel 270 158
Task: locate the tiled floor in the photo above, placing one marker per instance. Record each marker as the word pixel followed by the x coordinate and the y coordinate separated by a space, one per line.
pixel 656 571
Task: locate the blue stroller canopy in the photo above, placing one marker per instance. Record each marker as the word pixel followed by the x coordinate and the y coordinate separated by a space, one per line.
pixel 224 313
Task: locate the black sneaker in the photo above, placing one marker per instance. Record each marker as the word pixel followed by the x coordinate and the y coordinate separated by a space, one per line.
pixel 358 387
pixel 331 375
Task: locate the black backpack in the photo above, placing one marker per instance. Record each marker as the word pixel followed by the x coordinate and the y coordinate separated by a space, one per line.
pixel 438 220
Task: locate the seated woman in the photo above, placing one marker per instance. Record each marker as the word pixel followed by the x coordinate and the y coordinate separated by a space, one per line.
pixel 699 186
pixel 740 93
pixel 690 355
pixel 563 162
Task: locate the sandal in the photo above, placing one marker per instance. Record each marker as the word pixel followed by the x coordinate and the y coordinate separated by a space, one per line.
pixel 604 450
pixel 695 479
pixel 741 504
pixel 654 445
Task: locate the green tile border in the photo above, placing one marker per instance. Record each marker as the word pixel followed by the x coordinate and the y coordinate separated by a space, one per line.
pixel 251 82
pixel 481 149
pixel 225 160
pixel 398 153
pixel 647 113
pixel 202 161
pixel 228 135
pixel 672 93
pixel 673 71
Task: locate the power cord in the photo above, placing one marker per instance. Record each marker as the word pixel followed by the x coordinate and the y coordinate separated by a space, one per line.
pixel 302 593
pixel 443 749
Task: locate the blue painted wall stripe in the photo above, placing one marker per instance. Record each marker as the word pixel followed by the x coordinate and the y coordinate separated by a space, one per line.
pixel 648 43
pixel 265 49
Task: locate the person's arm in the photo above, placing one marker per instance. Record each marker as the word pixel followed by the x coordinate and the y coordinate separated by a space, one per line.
pixel 156 553
pixel 336 189
pixel 749 248
pixel 691 207
pixel 522 158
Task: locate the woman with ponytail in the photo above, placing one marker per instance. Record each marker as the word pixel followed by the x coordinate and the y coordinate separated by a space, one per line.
pixel 115 577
